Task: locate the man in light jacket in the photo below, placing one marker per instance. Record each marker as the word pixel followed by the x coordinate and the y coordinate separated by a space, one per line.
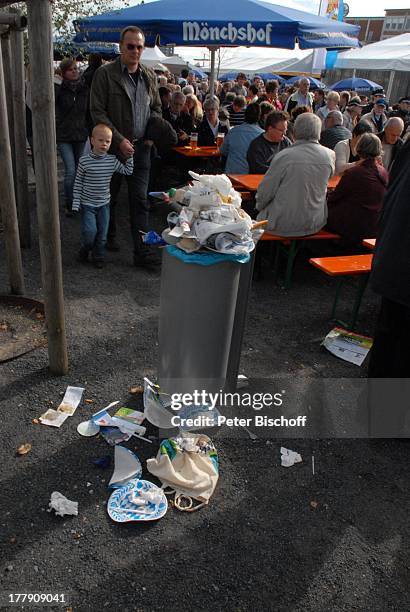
pixel 292 195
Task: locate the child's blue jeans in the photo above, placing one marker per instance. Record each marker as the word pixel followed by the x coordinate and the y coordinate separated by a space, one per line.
pixel 94 228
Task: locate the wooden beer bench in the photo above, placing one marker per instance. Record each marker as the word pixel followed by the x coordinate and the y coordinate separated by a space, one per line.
pixel 289 248
pixel 343 267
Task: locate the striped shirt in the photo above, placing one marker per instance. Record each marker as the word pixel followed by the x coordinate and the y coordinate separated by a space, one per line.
pixel 92 182
pixel 235 117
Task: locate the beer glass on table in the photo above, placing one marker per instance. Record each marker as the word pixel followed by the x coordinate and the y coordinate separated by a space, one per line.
pixel 219 140
pixel 194 141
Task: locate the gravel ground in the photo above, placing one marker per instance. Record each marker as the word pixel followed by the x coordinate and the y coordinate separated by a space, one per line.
pixel 271 538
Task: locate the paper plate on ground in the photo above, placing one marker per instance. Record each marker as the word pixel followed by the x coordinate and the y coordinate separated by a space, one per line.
pixel 121 508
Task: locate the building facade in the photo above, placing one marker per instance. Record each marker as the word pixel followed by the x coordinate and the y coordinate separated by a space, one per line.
pixel 396 21
pixel 370 28
pixel 373 29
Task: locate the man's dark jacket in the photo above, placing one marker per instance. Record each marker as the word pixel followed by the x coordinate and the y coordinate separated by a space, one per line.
pixel 391 262
pixel 183 122
pixel 111 104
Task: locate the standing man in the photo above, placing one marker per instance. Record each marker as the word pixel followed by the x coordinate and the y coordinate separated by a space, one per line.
pixel 352 114
pixel 301 97
pixel 124 95
pixel 377 116
pixel 391 141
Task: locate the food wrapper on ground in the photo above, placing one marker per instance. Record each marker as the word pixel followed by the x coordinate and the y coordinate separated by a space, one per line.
pixel 62 505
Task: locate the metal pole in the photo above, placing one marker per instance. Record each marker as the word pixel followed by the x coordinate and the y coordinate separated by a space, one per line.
pixel 44 135
pixel 212 75
pixel 20 154
pixel 390 85
pixel 7 199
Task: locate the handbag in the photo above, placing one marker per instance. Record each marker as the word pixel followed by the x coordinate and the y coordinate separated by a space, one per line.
pixel 188 466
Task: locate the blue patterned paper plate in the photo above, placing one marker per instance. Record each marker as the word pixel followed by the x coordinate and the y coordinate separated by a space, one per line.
pixel 121 509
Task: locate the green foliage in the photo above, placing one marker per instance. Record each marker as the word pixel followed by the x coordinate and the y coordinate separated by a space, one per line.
pixel 64 11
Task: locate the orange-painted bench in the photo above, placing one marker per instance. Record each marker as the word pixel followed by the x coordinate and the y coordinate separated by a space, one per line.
pixel 290 245
pixel 342 267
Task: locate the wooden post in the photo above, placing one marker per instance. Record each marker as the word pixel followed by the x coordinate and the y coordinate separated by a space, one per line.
pixel 6 51
pixel 44 136
pixel 20 151
pixel 7 199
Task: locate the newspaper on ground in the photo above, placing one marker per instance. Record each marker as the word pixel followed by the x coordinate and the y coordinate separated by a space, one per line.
pixel 347 345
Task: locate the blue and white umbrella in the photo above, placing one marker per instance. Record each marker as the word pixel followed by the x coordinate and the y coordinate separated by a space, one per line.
pixel 355 84
pixel 216 24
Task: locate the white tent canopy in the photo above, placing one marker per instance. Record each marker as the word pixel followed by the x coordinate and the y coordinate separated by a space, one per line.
pixel 390 54
pixel 304 65
pixel 152 57
pixel 245 59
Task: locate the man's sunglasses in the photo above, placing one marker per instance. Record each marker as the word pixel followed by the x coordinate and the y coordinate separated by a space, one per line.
pixel 131 47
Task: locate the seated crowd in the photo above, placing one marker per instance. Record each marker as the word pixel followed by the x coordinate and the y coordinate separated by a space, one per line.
pixel 297 138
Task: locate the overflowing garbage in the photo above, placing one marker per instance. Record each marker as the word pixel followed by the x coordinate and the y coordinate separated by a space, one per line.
pixel 186 463
pixel 208 215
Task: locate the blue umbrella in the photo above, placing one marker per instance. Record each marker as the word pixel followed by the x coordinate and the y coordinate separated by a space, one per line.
pixel 314 83
pixel 268 76
pixel 200 74
pixel 64 48
pixel 228 76
pixel 355 84
pixel 256 23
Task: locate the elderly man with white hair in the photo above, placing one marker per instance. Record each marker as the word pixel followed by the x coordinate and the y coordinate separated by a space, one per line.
pixel 292 195
pixel 301 97
pixel 332 102
pixel 334 130
pixel 391 141
pixel 181 122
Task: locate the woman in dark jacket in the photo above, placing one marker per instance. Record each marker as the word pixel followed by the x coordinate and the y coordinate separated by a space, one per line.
pixel 71 100
pixel 356 203
pixel 210 126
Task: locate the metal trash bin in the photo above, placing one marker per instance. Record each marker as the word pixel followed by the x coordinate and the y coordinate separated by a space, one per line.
pixel 201 324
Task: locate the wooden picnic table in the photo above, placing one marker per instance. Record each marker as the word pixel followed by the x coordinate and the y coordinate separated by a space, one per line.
pixel 252 181
pixel 370 243
pixel 187 151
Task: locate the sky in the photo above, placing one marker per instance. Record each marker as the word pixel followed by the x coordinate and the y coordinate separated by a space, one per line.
pixel 358 8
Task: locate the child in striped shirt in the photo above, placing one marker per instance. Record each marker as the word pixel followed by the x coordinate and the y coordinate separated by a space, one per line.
pixel 92 193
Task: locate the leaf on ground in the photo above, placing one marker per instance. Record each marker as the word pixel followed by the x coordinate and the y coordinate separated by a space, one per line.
pixel 24 449
pixel 136 389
